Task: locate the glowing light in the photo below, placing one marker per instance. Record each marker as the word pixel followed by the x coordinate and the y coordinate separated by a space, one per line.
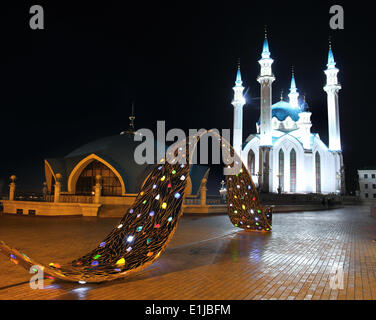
pixel 141 193
pixel 148 240
pixel 131 211
pixel 163 178
pixel 169 185
pixel 169 219
pixel 177 195
pixel 144 202
pixel 81 282
pixel 95 263
pixel 154 186
pixel 139 229
pixel 139 215
pixel 157 226
pixel 182 165
pixel 120 226
pixel 158 197
pixel 97 257
pixel 182 178
pixel 160 167
pixel 164 205
pixel 130 238
pixel 117 269
pixel 173 171
pixel 129 249
pixel 243 206
pixel 150 254
pixel 102 244
pixel 151 213
pixel 13 256
pixel 120 261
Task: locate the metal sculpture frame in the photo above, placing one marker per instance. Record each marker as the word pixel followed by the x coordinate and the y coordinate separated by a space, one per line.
pixel 147 227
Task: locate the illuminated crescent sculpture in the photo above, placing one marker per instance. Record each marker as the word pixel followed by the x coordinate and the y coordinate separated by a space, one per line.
pixel 146 228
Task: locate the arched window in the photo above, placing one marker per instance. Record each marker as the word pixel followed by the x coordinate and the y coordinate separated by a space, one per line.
pixel 293 170
pixel 251 162
pixel 281 170
pixel 110 183
pixel 318 172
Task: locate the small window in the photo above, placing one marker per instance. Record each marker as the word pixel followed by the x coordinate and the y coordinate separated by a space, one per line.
pixel 19 211
pixel 374 186
pixel 31 212
pixel 366 176
pixel 366 195
pixel 366 186
pixel 374 195
pixel 374 176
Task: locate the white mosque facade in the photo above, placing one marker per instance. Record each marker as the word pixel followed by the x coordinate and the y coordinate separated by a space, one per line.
pixel 284 156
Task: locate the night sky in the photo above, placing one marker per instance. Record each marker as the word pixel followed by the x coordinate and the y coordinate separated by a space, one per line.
pixel 74 81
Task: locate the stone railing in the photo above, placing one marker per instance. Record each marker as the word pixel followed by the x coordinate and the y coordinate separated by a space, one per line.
pixel 71 198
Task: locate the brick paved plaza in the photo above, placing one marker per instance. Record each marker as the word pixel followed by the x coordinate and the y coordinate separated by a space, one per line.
pixel 209 259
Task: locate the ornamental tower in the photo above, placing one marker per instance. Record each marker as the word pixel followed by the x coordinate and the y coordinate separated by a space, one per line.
pixel 293 95
pixel 266 79
pixel 332 88
pixel 238 104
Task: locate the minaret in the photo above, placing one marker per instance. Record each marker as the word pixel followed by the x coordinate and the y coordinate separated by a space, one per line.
pixel 293 95
pixel 238 104
pixel 305 124
pixel 332 88
pixel 266 79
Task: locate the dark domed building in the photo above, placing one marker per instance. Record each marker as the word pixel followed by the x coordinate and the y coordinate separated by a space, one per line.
pixel 111 158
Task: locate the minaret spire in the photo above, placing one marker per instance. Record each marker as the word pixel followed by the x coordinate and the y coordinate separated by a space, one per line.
pixel 293 95
pixel 332 88
pixel 131 129
pixel 238 102
pixel 266 78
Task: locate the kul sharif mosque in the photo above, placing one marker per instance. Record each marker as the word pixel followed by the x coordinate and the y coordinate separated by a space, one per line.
pixel 284 155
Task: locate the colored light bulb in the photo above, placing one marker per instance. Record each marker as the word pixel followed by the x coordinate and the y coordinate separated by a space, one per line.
pixel 164 205
pixel 130 238
pixel 177 195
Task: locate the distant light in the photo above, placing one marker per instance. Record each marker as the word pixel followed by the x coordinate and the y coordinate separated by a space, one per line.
pixel 130 239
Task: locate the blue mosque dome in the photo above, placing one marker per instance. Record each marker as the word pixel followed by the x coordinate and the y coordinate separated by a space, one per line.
pixel 282 109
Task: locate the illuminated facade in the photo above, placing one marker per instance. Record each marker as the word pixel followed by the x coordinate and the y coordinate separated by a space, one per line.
pixel 284 155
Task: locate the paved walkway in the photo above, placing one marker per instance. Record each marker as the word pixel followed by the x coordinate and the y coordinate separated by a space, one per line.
pixel 209 259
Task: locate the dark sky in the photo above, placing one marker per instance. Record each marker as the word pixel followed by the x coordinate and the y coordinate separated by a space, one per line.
pixel 74 81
